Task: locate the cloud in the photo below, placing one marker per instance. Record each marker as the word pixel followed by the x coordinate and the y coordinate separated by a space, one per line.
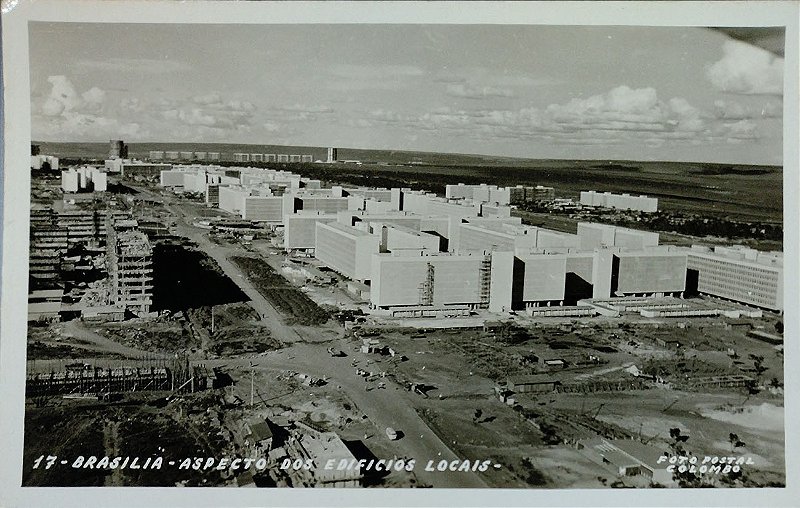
pixel 93 99
pixel 62 97
pixel 211 98
pixel 131 105
pixel 621 115
pixel 134 65
pixel 624 109
pixel 225 115
pixel 467 91
pixel 353 78
pixel 741 130
pixel 746 69
pixel 298 112
pixel 69 114
pixel 301 108
pixel 376 72
pixel 730 110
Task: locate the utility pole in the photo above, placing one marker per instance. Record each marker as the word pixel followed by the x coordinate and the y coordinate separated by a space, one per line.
pixel 252 385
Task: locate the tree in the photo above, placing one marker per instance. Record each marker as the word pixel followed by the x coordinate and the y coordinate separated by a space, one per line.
pixel 733 438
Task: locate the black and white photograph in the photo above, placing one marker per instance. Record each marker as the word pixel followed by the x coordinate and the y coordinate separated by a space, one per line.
pixel 507 256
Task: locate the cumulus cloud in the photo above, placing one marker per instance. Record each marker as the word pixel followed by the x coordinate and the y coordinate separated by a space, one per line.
pixel 66 113
pixel 746 69
pixel 623 114
pixel 624 108
pixel 62 97
pixel 467 91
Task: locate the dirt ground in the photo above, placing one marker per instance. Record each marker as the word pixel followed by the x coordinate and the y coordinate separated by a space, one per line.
pixel 459 370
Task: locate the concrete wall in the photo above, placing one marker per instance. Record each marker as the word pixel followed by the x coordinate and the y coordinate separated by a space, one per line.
pixel 231 199
pixel 300 231
pixel 171 178
pixel 346 249
pixel 323 204
pixel 398 237
pixel 646 272
pixel 544 277
pixel 258 208
pixel 397 280
pixel 500 292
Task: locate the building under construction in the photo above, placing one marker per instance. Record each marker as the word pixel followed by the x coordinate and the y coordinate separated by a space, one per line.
pixel 130 270
pixel 176 375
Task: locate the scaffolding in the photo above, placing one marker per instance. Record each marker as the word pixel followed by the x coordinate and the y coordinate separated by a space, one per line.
pixel 426 287
pixel 486 281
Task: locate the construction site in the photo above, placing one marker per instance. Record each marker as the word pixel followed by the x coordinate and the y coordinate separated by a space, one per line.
pixel 163 327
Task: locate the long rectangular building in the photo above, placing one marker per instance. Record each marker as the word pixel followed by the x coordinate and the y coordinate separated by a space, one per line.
pixel 619 201
pixel 436 281
pixel 345 249
pixel 300 230
pixel 593 235
pixel 739 274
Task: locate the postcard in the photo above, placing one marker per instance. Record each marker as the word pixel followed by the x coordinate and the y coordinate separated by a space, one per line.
pixel 426 254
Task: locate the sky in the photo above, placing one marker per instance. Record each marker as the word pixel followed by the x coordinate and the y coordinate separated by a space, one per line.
pixel 635 93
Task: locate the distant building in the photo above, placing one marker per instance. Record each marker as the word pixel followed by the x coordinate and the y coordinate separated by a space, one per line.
pixel 187 155
pixel 156 155
pixel 172 155
pixel 295 158
pixel 282 157
pixel 593 235
pixel 99 180
pixel 200 156
pixel 619 201
pixel 333 155
pixel 257 157
pixel 117 149
pixel 70 181
pixel 44 161
pixel 213 156
pixel 527 194
pixel 737 273
pixel 131 169
pixel 306 158
pixel 241 157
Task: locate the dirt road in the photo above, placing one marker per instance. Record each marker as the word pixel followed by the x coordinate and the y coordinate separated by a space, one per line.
pixel 389 407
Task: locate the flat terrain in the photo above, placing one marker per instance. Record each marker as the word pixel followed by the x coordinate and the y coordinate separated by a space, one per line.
pixel 726 190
